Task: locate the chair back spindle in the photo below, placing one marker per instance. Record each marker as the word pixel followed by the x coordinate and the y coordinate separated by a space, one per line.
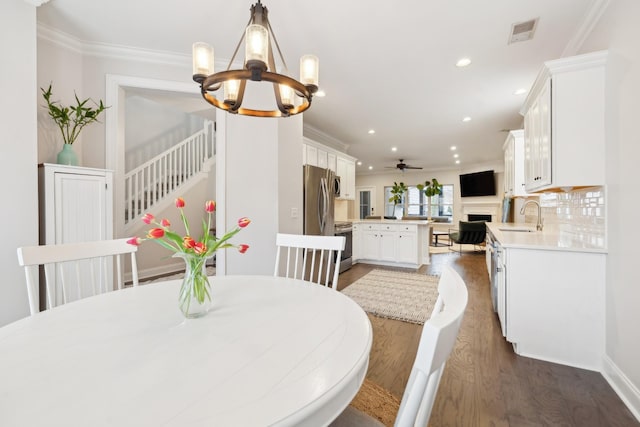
pixel 312 258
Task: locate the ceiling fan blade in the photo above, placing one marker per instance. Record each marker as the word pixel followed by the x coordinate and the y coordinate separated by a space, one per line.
pixel 412 167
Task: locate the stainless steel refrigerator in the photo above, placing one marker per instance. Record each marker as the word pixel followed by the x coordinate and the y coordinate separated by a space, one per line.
pixel 319 198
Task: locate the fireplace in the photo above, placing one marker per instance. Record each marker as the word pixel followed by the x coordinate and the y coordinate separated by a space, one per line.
pixel 481 211
pixel 479 217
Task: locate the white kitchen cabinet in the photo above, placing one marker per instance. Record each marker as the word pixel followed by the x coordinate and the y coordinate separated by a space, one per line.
pixel 537 140
pixel 331 162
pixel 346 170
pixel 514 185
pixel 379 245
pixel 356 242
pixel 556 313
pixel 564 124
pixel 76 204
pixel 389 243
pixel 322 159
pixel 406 243
pixel 310 155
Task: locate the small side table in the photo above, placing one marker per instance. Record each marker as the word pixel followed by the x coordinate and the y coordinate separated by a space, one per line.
pixel 436 234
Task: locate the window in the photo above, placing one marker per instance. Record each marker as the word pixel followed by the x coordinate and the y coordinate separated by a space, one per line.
pixel 417 204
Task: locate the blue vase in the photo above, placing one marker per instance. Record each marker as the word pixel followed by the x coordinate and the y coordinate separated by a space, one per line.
pixel 67 156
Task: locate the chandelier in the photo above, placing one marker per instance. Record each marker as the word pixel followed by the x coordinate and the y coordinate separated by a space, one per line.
pixel 291 96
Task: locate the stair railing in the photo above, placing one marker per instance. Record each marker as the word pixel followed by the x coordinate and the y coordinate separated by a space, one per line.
pixel 157 178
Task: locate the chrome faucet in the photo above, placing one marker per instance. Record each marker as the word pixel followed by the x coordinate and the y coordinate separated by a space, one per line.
pixel 540 221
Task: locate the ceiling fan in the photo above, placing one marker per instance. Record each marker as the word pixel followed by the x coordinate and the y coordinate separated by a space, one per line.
pixel 402 166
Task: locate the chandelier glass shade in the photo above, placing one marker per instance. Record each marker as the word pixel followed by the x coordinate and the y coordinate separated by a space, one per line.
pixel 291 96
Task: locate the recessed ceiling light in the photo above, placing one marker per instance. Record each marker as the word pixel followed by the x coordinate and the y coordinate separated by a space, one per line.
pixel 370 167
pixel 463 62
pixel 320 93
pixel 371 131
pixel 394 148
pixel 359 163
pixel 520 92
pixel 455 156
pixel 466 119
pixel 457 162
pixel 453 148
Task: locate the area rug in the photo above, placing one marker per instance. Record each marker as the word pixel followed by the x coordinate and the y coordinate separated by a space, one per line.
pixel 377 402
pixel 409 297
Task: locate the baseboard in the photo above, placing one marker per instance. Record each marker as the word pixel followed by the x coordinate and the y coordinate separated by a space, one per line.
pixel 149 273
pixel 623 387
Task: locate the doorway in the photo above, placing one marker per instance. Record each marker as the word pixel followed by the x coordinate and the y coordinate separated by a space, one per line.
pixel 366 197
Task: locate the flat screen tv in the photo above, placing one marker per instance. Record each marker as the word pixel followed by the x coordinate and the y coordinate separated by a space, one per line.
pixel 478 184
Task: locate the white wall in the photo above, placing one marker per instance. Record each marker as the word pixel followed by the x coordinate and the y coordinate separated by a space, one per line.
pixel 259 176
pixel 18 151
pixel 62 68
pixel 152 128
pixel 619 32
pixel 73 66
pixel 451 176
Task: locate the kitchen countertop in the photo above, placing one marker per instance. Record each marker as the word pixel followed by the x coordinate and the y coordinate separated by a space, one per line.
pixel 548 239
pixel 391 221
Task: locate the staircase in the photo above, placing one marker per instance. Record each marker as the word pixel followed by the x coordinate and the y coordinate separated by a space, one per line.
pixel 158 180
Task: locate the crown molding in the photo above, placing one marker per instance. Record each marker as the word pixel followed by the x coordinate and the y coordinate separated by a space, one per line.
pixel 323 138
pixel 104 50
pixel 36 3
pixel 589 21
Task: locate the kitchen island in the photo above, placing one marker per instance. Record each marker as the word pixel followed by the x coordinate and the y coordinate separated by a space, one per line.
pixel 396 243
pixel 549 289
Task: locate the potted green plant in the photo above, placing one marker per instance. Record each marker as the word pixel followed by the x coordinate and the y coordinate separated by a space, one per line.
pixel 430 189
pixel 71 120
pixel 397 191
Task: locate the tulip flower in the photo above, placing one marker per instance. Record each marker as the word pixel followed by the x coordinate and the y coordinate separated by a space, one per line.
pixel 135 241
pixel 148 218
pixel 155 233
pixel 199 248
pixel 188 242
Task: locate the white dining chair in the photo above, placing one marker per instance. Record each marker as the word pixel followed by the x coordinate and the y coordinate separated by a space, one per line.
pixel 437 340
pixel 311 258
pixel 75 270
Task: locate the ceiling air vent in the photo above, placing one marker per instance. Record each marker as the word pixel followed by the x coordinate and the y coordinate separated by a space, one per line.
pixel 522 31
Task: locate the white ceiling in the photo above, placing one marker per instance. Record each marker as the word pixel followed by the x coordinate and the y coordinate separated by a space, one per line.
pixel 387 66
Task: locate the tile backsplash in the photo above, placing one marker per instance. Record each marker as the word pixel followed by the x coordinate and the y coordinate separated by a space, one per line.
pixel 578 214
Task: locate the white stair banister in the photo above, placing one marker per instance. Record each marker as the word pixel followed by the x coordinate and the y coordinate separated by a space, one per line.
pixel 155 179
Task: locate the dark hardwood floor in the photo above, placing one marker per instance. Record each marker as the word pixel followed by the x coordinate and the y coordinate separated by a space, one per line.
pixel 485 383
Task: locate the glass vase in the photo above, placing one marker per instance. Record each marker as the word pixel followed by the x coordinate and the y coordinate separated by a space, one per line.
pixel 194 299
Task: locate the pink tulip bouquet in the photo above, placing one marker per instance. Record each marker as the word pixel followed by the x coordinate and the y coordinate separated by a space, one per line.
pixel 195 291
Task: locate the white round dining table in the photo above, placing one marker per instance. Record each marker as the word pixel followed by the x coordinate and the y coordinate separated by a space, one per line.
pixel 271 352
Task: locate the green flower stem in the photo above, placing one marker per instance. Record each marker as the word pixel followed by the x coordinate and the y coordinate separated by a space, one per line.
pixel 195 284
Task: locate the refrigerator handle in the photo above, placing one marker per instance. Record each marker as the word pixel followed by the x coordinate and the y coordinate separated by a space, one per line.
pixel 322 204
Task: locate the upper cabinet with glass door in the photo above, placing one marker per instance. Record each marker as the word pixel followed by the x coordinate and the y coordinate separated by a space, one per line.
pixel 564 124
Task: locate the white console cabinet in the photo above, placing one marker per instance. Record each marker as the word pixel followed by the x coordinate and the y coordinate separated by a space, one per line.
pixel 76 204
